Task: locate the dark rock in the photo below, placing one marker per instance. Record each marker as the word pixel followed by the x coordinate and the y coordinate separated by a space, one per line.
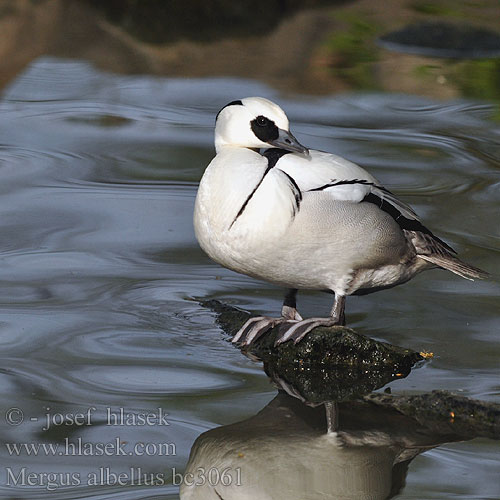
pixel 162 21
pixel 443 39
pixel 447 412
pixel 329 364
pixel 339 364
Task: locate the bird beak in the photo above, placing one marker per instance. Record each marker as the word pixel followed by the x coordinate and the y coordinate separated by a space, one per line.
pixel 287 141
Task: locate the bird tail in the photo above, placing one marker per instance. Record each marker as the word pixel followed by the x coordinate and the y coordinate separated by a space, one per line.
pixel 455 265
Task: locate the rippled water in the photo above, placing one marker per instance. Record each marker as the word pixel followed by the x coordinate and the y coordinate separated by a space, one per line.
pixel 100 269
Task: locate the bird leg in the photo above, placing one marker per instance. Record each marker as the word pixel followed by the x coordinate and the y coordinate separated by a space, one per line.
pixel 297 330
pixel 289 309
pixel 332 417
pixel 254 328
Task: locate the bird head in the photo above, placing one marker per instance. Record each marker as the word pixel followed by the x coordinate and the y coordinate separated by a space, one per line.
pixel 255 122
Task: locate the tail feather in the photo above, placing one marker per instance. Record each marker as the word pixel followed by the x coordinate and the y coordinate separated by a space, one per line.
pixel 431 249
pixel 455 265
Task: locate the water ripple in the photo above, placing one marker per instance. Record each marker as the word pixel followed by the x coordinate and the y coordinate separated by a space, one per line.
pixel 100 264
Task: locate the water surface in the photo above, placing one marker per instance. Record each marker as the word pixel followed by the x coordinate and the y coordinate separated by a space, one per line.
pixel 100 268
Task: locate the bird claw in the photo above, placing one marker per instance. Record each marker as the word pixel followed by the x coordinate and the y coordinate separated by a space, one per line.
pixel 290 329
pixel 253 329
pixel 297 330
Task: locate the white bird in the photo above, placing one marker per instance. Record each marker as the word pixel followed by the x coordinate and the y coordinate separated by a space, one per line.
pixel 305 219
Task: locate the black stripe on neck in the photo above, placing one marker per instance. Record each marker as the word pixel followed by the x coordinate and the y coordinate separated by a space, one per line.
pixel 273 155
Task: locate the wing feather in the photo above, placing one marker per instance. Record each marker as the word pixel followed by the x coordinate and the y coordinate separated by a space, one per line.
pixel 344 180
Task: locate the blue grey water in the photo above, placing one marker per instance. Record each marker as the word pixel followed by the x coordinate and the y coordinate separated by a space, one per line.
pixel 100 271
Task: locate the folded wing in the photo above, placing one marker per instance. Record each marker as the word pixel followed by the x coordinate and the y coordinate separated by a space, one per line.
pixel 344 180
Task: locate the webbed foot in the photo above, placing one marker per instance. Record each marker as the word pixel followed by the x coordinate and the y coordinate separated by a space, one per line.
pixel 297 330
pixel 254 328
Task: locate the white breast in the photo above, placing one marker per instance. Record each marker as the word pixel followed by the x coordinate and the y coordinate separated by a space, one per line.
pixel 235 222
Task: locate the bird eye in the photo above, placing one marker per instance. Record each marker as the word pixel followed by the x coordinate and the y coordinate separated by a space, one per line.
pixel 262 121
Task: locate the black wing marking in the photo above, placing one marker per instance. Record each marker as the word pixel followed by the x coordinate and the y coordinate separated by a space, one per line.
pixel 296 191
pixel 335 182
pixel 408 224
pixel 385 194
pixel 433 243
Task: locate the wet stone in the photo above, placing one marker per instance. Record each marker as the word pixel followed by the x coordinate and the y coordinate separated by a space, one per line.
pixel 443 39
pixel 329 364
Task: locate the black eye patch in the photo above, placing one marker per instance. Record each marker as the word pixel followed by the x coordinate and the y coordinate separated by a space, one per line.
pixel 264 129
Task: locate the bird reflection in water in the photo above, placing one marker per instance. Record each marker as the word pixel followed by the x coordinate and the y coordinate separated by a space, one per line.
pixel 299 449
